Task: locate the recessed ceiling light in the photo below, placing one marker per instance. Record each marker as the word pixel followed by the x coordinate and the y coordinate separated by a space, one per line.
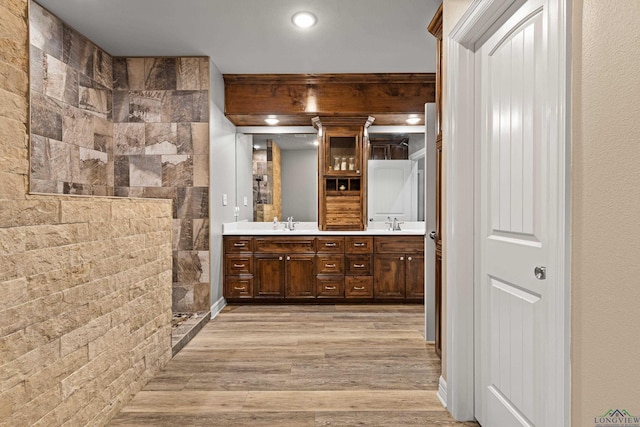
pixel 413 119
pixel 304 19
pixel 271 120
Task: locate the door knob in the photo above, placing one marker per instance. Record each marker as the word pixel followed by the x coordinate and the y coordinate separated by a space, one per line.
pixel 540 272
pixel 432 235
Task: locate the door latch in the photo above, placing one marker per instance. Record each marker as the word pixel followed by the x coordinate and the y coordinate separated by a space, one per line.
pixel 540 272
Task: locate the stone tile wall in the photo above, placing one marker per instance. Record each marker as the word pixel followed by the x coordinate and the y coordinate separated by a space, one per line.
pixel 71 97
pixel 161 134
pixel 85 307
pixel 130 127
pixel 267 183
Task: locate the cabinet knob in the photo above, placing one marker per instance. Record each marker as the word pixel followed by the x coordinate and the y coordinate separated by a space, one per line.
pixel 409 258
pixel 401 258
pixel 280 258
pixel 288 258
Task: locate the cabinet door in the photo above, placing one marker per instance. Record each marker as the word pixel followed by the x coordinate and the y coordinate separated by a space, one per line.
pixel 269 275
pixel 300 273
pixel 398 152
pixel 389 276
pixel 414 285
pixel 379 152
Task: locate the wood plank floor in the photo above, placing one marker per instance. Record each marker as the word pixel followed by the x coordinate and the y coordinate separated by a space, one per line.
pixel 299 365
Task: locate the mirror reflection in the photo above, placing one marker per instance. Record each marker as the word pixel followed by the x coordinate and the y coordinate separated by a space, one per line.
pixel 277 176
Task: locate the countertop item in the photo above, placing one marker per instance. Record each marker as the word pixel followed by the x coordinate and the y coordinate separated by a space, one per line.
pixel 243 228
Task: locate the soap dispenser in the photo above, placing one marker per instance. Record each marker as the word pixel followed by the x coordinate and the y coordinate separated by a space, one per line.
pixel 275 222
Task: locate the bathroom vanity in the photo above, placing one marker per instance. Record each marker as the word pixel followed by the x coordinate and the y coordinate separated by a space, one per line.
pixel 267 265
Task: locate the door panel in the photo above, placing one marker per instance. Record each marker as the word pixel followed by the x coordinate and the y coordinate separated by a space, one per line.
pixel 269 276
pixel 415 277
pixel 300 274
pixel 513 237
pixel 393 190
pixel 388 276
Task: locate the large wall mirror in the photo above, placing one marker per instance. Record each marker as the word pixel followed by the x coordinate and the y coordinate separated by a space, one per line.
pixel 277 173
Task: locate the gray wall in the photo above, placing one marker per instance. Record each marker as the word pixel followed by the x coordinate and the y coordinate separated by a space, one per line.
pixel 222 135
pixel 244 176
pixel 300 184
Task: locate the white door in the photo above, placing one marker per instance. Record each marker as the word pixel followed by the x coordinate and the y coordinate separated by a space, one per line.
pixel 392 190
pixel 518 219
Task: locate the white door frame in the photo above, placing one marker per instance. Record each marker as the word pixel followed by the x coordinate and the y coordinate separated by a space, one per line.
pixel 462 179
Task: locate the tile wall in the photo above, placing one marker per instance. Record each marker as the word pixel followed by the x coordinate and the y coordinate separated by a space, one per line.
pixel 71 130
pixel 161 150
pixel 129 127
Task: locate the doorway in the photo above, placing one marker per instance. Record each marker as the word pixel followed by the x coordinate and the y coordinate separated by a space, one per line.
pixel 473 288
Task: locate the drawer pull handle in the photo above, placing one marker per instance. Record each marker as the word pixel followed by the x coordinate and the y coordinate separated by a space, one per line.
pixel 330 265
pixel 238 288
pixel 239 245
pixel 330 288
pixel 238 265
pixel 359 244
pixel 330 244
pixel 358 288
pixel 358 265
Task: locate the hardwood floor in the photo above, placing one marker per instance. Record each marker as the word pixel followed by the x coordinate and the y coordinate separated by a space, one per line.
pixel 299 365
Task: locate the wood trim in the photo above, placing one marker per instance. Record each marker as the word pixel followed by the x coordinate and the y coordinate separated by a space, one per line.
pixel 316 79
pixel 435 26
pixel 296 98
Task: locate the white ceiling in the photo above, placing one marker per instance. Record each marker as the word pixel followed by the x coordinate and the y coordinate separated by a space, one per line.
pixel 256 36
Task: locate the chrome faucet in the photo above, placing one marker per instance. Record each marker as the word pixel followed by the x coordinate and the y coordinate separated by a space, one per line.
pixel 396 224
pixel 290 225
pixel 390 223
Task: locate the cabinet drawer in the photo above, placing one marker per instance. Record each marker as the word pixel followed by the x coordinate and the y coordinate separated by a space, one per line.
pixel 358 245
pixel 330 264
pixel 399 244
pixel 334 245
pixel 358 287
pixel 359 264
pixel 238 244
pixel 238 287
pixel 330 286
pixel 238 264
pixel 282 245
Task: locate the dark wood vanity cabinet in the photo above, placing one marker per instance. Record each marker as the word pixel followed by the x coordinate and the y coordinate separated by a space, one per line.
pixel 324 267
pixel 330 267
pixel 284 267
pixel 398 270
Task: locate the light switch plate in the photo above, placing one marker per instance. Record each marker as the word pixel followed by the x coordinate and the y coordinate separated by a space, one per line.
pixel 246 201
pixel 225 201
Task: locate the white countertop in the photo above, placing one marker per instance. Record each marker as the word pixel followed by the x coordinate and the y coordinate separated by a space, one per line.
pixel 243 228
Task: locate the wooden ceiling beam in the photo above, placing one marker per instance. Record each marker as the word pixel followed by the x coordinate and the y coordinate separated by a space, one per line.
pixel 296 98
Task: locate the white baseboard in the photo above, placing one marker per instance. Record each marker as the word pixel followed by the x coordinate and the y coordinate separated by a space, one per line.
pixel 217 307
pixel 442 391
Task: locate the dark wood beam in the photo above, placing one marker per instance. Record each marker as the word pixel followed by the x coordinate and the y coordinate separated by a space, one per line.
pixel 296 98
